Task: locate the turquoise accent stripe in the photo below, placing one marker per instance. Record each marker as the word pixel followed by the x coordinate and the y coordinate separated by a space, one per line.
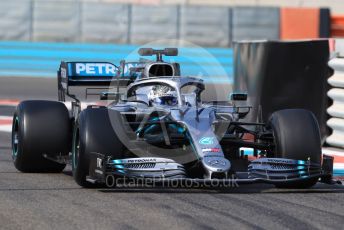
pixel 42 59
pixel 113 55
pixel 97 46
pixel 338 172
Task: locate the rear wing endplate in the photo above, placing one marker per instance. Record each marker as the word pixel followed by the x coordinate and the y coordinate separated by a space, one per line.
pixel 86 73
pixel 92 74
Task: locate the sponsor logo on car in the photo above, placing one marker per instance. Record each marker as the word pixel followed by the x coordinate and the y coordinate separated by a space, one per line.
pixel 280 161
pixel 142 160
pixel 89 69
pixel 217 162
pixel 213 150
pixel 206 141
pixel 99 163
pixel 63 73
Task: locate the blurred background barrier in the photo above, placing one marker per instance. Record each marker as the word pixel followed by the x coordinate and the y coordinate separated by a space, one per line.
pixel 55 20
pixel 299 23
pixel 325 23
pixel 337 25
pixel 206 26
pixel 121 22
pixel 42 59
pixel 336 93
pixel 15 20
pixel 151 23
pixel 104 22
pixel 252 23
pixel 282 75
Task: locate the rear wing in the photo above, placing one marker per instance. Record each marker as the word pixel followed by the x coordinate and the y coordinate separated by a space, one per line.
pixel 89 74
pixel 86 73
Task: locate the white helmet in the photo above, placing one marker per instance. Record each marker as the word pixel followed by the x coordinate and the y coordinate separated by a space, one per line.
pixel 163 95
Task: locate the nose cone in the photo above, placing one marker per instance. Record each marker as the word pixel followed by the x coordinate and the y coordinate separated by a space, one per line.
pixel 216 164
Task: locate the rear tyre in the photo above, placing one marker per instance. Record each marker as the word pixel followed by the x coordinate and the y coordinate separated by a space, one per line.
pixel 93 133
pixel 40 127
pixel 297 136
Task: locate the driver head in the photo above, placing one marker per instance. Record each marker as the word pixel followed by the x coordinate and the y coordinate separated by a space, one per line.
pixel 163 95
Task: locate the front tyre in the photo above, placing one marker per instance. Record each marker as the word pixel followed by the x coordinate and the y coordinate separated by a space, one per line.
pixel 93 133
pixel 40 127
pixel 297 136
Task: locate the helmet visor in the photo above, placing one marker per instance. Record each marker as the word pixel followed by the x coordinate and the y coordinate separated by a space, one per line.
pixel 166 100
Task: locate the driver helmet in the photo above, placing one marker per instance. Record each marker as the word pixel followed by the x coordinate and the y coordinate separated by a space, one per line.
pixel 163 95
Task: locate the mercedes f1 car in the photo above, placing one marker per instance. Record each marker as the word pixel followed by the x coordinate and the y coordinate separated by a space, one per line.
pixel 156 126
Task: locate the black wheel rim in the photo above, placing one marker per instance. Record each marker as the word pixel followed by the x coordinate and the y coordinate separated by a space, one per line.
pixel 76 150
pixel 15 137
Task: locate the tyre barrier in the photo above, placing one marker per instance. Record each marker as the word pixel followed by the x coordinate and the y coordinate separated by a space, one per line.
pixel 336 93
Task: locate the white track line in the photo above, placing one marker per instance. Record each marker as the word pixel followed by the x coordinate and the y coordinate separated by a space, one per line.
pixel 6 128
pixel 333 152
pixel 5 123
pixel 6 118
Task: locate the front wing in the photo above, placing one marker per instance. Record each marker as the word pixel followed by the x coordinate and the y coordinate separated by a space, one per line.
pixel 162 171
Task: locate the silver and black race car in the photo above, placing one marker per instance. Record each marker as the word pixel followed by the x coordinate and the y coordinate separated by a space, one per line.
pixel 156 127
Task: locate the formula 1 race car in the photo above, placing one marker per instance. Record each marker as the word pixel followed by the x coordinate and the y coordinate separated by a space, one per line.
pixel 155 126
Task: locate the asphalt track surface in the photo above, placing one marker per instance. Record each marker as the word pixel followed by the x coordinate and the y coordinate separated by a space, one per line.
pixel 54 201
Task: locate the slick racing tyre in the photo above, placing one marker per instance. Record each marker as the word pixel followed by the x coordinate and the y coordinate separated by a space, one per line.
pixel 93 133
pixel 297 136
pixel 40 127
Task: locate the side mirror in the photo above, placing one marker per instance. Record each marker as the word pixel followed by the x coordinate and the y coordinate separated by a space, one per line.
pixel 238 97
pixel 190 99
pixel 150 52
pixel 171 52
